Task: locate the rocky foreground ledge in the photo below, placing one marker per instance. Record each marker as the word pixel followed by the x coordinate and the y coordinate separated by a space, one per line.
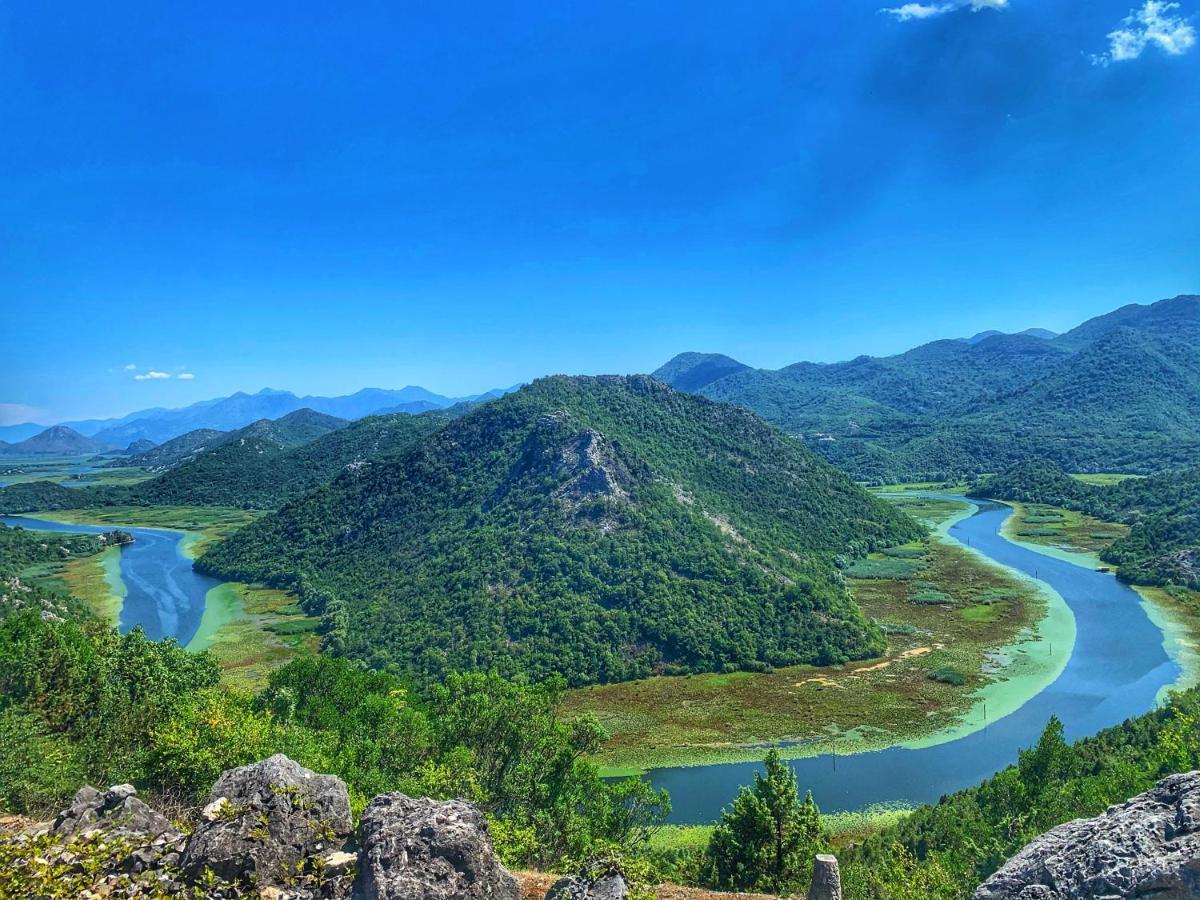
pixel 1147 847
pixel 278 831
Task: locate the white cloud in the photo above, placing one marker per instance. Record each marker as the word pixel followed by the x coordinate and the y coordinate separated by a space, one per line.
pixel 928 10
pixel 132 367
pixel 185 376
pixel 152 375
pixel 1157 23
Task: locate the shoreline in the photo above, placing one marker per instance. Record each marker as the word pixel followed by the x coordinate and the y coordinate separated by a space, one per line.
pixel 1029 668
pixel 1181 638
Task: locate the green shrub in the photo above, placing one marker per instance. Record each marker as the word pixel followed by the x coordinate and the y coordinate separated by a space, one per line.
pixel 948 675
pixel 889 569
pixel 931 598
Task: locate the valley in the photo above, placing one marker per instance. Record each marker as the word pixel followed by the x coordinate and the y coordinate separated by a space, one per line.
pixel 673 583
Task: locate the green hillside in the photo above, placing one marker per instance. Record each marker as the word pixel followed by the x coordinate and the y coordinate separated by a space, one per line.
pixel 172 452
pixel 1163 544
pixel 602 528
pixel 1119 393
pixel 261 466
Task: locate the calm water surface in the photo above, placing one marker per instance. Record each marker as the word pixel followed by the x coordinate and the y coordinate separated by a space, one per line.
pixel 1116 670
pixel 162 593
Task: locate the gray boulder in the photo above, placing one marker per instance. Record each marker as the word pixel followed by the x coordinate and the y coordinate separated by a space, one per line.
pixel 117 811
pixel 436 850
pixel 608 886
pixel 277 816
pixel 1146 847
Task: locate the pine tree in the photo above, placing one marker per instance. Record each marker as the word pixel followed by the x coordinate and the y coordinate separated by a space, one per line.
pixel 767 838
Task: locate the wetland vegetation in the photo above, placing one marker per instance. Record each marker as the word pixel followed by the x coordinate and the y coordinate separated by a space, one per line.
pixel 943 610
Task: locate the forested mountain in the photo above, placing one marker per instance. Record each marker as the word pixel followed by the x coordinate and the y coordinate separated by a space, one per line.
pixel 266 464
pixel 257 467
pixel 58 440
pixel 1163 545
pixel 1119 392
pixel 174 451
pixel 602 528
pixel 138 447
pixel 692 371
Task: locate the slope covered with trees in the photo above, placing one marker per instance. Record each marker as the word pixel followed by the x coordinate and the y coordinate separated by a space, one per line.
pixel 1163 544
pixel 601 528
pixel 261 467
pixel 173 452
pixel 1120 392
pixel 257 467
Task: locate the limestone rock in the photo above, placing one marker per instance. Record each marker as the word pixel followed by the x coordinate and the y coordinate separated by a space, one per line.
pixel 601 880
pixel 1146 847
pixel 117 810
pixel 428 849
pixel 277 815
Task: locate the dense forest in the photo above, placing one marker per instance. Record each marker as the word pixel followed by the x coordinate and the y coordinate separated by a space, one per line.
pixel 263 466
pixel 1119 393
pixel 598 528
pixel 80 703
pixel 1163 544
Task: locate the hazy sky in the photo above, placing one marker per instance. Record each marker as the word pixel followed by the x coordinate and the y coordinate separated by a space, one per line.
pixel 321 197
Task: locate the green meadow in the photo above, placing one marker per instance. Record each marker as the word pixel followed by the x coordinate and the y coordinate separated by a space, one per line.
pixel 253 631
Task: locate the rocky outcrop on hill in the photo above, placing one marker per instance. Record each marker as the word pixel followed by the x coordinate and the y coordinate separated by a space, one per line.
pixel 430 849
pixel 117 811
pixel 273 830
pixel 1146 847
pixel 600 882
pixel 268 821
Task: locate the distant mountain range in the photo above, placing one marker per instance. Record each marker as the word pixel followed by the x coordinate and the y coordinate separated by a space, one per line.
pixel 1121 392
pixel 236 411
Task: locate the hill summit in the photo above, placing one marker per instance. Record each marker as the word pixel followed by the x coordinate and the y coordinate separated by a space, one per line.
pixel 602 528
pixel 57 440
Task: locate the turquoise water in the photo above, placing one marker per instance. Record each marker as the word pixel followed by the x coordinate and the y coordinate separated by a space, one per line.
pixel 1116 670
pixel 163 594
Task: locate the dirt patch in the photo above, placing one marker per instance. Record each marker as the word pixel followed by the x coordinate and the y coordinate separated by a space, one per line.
pixel 534 886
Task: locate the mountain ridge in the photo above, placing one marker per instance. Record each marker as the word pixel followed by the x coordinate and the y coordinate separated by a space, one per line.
pixel 1119 392
pixel 57 440
pixel 633 516
pixel 160 424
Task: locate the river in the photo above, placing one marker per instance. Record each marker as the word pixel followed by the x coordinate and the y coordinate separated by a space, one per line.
pixel 1116 670
pixel 163 594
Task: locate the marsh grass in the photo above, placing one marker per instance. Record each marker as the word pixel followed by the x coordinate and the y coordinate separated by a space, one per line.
pixel 700 719
pixel 1062 528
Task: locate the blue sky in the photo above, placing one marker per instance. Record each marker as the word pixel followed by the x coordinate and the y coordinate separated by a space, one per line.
pixel 320 197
